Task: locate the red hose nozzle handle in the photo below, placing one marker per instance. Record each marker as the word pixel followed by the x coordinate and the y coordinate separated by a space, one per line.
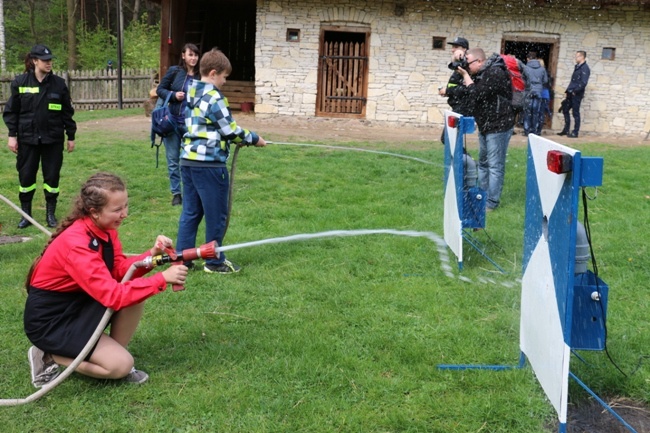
pixel 205 251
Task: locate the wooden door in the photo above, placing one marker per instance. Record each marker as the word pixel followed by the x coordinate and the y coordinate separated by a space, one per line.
pixel 342 73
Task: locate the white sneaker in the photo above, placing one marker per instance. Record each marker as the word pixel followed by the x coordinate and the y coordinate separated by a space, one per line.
pixel 43 372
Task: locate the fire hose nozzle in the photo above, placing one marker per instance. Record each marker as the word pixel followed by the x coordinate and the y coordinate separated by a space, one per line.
pixel 205 251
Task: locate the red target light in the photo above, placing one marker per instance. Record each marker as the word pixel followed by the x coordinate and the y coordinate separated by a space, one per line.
pixel 559 162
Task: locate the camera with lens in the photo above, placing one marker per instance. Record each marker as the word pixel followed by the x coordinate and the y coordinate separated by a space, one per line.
pixel 462 63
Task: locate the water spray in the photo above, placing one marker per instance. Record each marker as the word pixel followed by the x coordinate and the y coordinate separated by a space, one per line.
pixel 356 149
pixel 233 165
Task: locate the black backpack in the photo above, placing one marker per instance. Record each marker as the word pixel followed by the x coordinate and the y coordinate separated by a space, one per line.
pixel 163 123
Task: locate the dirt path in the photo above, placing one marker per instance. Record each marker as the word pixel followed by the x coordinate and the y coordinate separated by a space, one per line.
pixel 328 131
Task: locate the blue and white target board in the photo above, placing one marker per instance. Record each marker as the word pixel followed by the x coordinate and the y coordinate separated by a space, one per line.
pixel 464 204
pixel 555 174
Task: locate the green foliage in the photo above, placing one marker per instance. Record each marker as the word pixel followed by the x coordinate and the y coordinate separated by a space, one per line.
pixel 140 50
pixel 95 47
pixel 334 334
pixel 47 23
pixel 141 45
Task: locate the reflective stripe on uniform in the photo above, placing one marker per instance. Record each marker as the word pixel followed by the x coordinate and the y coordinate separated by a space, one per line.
pixel 48 188
pixel 27 188
pixel 28 90
pixel 54 107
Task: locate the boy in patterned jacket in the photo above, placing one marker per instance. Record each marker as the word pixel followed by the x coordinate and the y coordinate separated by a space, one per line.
pixel 205 149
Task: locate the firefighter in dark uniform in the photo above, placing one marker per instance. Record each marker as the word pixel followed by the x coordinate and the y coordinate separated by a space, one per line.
pixel 37 114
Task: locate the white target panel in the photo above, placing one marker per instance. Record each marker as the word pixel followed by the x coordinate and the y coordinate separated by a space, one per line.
pixel 555 174
pixel 456 126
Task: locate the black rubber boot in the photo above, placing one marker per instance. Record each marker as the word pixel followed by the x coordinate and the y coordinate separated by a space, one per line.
pixel 50 209
pixel 27 208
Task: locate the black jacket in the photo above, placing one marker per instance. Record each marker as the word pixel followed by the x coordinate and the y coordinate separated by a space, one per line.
pixel 579 79
pixel 175 80
pixel 39 112
pixel 490 97
pixel 455 93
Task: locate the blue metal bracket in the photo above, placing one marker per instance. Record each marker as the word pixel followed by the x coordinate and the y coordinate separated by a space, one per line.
pixel 591 173
pixel 522 362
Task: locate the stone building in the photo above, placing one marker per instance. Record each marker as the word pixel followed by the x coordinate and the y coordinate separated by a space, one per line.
pixel 384 60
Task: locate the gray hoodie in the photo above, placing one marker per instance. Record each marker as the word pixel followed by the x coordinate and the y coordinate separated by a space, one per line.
pixel 536 77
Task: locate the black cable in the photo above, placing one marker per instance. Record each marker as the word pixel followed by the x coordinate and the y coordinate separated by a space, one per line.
pixel 594 266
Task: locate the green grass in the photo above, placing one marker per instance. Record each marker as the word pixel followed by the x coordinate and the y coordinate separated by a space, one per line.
pixel 336 334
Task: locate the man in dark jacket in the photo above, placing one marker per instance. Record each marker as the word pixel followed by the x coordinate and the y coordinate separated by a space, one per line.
pixel 37 114
pixel 536 80
pixel 453 90
pixel 574 94
pixel 489 95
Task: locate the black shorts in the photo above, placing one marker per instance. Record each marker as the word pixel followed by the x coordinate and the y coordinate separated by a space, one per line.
pixel 61 323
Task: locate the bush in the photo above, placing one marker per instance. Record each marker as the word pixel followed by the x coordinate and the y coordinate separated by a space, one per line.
pixel 95 47
pixel 140 48
pixel 141 45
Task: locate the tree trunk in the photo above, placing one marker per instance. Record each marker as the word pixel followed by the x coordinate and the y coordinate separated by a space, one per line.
pixel 32 18
pixel 108 14
pixel 72 33
pixel 136 10
pixel 3 52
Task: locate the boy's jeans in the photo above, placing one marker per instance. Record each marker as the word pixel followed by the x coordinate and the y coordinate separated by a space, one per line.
pixel 492 164
pixel 205 193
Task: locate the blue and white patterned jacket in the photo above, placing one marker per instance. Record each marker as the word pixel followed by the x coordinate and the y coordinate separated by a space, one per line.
pixel 210 126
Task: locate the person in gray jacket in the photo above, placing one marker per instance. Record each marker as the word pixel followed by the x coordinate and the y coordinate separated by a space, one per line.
pixel 536 80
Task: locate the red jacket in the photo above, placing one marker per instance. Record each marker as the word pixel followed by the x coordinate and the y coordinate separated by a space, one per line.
pixel 73 262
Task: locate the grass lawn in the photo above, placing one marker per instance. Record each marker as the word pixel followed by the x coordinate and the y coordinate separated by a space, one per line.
pixel 339 334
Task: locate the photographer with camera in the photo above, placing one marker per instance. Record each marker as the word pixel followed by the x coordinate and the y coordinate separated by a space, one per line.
pixel 488 92
pixel 453 90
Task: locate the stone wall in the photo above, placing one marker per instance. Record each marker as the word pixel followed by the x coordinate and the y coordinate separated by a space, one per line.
pixel 405 71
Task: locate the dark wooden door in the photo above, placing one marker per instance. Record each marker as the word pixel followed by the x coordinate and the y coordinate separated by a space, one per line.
pixel 342 73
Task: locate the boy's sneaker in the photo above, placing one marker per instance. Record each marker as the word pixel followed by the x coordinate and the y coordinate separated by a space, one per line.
pixel 44 369
pixel 136 376
pixel 227 267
